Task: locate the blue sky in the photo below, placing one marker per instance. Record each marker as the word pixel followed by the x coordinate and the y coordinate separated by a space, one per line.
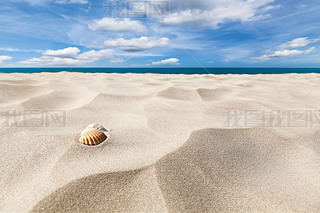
pixel 176 33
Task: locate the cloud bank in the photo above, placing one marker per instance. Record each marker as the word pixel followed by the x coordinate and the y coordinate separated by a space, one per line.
pixel 5 58
pixel 285 53
pixel 70 52
pixel 288 49
pixel 298 42
pixel 166 62
pixel 137 44
pixel 212 13
pixel 117 25
pixel 70 57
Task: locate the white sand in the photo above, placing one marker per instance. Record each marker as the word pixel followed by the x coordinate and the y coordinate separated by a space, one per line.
pixel 169 149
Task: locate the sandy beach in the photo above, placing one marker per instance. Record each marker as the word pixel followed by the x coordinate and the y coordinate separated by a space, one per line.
pixel 175 145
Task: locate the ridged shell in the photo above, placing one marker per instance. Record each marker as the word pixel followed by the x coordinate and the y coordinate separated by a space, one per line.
pixel 92 137
pixel 98 126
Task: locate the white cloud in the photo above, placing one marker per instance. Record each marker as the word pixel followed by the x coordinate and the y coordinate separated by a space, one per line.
pixel 289 48
pixel 212 13
pixel 117 25
pixel 70 52
pixel 86 10
pixel 166 62
pixel 102 55
pixel 71 2
pixel 270 7
pixel 285 53
pixel 9 49
pixel 137 44
pixel 5 58
pixel 117 60
pixel 52 61
pixel 298 42
pixel 70 57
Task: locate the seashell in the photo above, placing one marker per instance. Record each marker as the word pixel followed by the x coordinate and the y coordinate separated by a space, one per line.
pixel 92 137
pixel 98 126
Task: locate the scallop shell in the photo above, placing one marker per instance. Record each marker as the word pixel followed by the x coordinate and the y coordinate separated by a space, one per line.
pixel 98 126
pixel 92 137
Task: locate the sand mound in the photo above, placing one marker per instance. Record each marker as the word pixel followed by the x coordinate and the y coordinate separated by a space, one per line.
pixel 12 94
pixel 133 191
pixel 214 94
pixel 59 101
pixel 179 94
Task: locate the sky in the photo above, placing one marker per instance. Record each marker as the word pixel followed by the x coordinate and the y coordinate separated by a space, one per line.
pixel 174 33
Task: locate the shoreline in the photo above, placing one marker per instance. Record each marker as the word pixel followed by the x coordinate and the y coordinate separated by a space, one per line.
pixel 170 74
pixel 162 70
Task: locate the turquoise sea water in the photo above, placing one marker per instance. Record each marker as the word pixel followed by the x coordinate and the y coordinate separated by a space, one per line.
pixel 167 70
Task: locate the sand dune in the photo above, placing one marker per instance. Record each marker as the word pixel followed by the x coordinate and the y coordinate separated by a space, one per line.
pixel 132 191
pixel 13 94
pixel 170 149
pixel 250 170
pixel 180 94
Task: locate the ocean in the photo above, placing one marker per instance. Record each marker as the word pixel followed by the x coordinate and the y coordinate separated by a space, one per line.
pixel 166 70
